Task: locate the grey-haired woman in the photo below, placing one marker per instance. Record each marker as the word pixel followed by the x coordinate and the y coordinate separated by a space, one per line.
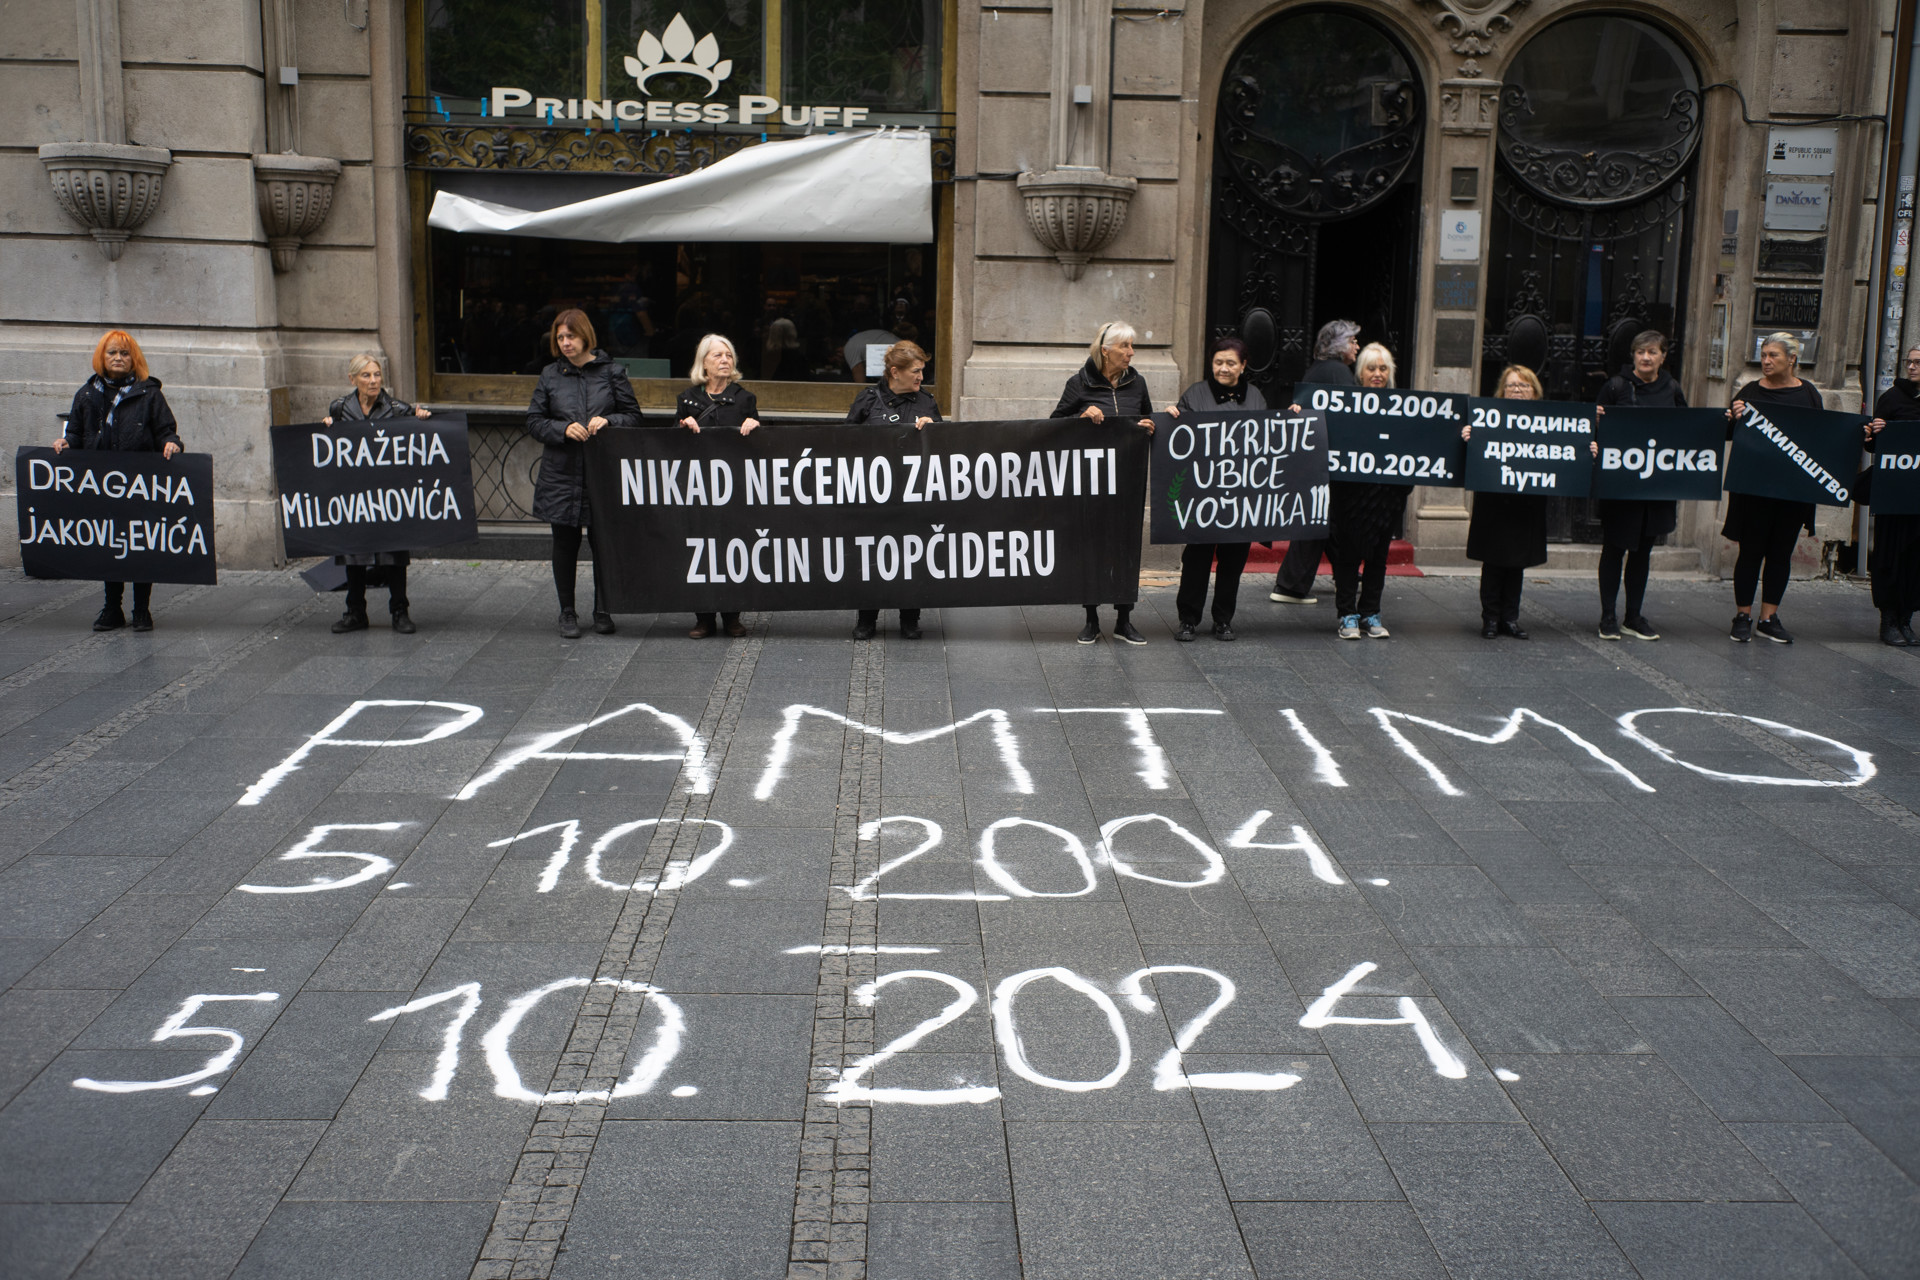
pixel 1108 387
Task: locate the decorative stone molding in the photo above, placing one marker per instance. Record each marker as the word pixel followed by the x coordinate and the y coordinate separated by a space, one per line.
pixel 1473 23
pixel 1076 212
pixel 110 188
pixel 1468 106
pixel 296 194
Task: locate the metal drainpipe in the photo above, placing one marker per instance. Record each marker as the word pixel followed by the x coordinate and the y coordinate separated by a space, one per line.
pixel 1891 344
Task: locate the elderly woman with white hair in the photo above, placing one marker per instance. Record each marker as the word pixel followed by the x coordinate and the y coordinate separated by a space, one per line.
pixel 716 399
pixel 1360 528
pixel 1107 388
pixel 370 400
pixel 1335 348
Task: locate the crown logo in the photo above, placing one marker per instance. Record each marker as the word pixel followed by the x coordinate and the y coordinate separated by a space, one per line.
pixel 669 52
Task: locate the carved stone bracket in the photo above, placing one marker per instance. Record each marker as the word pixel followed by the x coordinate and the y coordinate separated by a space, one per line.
pixel 1076 212
pixel 296 194
pixel 1470 25
pixel 1469 106
pixel 110 188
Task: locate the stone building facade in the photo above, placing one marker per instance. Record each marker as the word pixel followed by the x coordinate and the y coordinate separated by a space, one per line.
pixel 244 184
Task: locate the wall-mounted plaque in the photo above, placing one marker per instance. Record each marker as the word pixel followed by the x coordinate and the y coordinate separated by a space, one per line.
pixel 1780 256
pixel 1453 344
pixel 1456 287
pixel 1786 308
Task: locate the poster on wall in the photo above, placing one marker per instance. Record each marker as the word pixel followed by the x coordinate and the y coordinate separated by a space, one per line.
pixel 115 517
pixel 1238 476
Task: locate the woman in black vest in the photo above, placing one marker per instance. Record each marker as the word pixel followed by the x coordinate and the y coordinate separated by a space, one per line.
pixel 580 394
pixel 716 399
pixel 120 409
pixel 1508 531
pixel 1630 527
pixel 1224 387
pixel 369 401
pixel 895 400
pixel 1895 559
pixel 1107 387
pixel 1767 529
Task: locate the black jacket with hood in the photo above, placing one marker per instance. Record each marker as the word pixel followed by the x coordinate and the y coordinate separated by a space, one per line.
pixel 568 393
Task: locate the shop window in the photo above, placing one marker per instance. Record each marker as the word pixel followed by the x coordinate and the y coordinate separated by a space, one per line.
pixel 473 45
pixel 881 54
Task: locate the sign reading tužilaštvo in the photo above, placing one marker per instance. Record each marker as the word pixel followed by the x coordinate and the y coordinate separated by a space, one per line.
pixel 1800 455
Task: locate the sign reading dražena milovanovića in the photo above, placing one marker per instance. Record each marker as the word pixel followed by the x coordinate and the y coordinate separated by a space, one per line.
pixel 360 487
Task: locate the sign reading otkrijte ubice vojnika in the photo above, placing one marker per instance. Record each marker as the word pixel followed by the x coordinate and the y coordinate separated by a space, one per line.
pixel 1529 446
pixel 1382 436
pixel 1896 470
pixel 115 517
pixel 1659 454
pixel 837 517
pixel 1801 455
pixel 358 487
pixel 1236 476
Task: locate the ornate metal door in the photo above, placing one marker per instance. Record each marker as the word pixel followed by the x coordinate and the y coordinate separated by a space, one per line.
pixel 1315 204
pixel 1599 123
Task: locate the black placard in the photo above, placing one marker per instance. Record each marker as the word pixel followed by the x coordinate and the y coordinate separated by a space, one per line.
pixel 1801 455
pixel 1530 446
pixel 359 487
pixel 840 517
pixel 1390 437
pixel 1238 477
pixel 1659 454
pixel 1896 470
pixel 115 517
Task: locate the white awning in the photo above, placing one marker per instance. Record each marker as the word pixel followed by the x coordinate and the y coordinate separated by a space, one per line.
pixel 860 187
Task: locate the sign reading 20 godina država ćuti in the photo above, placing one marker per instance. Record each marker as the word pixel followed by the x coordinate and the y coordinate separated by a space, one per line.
pixel 960 514
pixel 115 517
pixel 359 487
pixel 1238 476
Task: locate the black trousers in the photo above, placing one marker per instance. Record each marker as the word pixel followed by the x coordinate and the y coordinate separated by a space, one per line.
pixel 1360 571
pixel 1195 563
pixel 1766 562
pixel 871 617
pixel 142 594
pixel 1895 564
pixel 566 562
pixel 396 575
pixel 1500 592
pixel 1637 562
pixel 1298 569
pixel 706 620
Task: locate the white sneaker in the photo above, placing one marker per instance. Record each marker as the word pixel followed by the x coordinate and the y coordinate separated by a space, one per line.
pixel 1350 627
pixel 1375 628
pixel 1281 598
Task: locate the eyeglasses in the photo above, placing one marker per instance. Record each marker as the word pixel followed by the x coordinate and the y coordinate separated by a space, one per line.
pixel 1911 360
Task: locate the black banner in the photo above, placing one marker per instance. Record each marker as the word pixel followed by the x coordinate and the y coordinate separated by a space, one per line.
pixel 1896 470
pixel 1530 446
pixel 871 517
pixel 1390 437
pixel 1659 454
pixel 1801 455
pixel 115 517
pixel 358 487
pixel 1238 477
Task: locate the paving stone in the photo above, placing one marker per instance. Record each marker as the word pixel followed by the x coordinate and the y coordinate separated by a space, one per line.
pixel 1727 1068
pixel 1794 1002
pixel 942 1242
pixel 1303 1141
pixel 439 1240
pixel 1337 1241
pixel 1524 1000
pixel 39 1025
pixel 47 1241
pixel 1879 1096
pixel 1670 1241
pixel 1857 1196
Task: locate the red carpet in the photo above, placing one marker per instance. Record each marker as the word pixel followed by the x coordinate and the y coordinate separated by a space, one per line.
pixel 1399 559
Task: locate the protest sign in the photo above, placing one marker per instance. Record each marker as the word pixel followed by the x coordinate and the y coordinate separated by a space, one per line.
pixel 115 517
pixel 1238 476
pixel 1800 455
pixel 1390 437
pixel 1896 470
pixel 359 486
pixel 1659 454
pixel 1529 446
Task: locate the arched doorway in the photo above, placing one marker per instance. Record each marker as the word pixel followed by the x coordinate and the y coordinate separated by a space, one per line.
pixel 1316 199
pixel 1592 197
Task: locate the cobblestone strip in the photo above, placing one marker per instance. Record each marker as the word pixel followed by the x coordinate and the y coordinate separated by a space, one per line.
pixel 82 748
pixel 72 653
pixel 529 1227
pixel 1615 651
pixel 830 1201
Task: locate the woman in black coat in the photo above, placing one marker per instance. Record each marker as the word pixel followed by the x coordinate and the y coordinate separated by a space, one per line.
pixel 1895 559
pixel 1508 531
pixel 1335 349
pixel 1360 526
pixel 1630 527
pixel 580 394
pixel 1224 387
pixel 120 409
pixel 716 399
pixel 1108 387
pixel 369 401
pixel 1767 529
pixel 895 400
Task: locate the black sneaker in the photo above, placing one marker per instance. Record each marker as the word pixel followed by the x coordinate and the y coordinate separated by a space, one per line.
pixel 402 624
pixel 1221 631
pixel 603 624
pixel 569 625
pixel 142 620
pixel 1773 631
pixel 910 631
pixel 1090 632
pixel 1609 628
pixel 1185 634
pixel 863 631
pixel 350 621
pixel 1515 630
pixel 1125 630
pixel 1640 629
pixel 1890 631
pixel 1742 628
pixel 110 619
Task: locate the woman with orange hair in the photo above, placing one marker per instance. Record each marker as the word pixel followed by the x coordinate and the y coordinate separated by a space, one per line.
pixel 120 408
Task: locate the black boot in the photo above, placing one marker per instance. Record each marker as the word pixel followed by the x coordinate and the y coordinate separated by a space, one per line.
pixel 1890 630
